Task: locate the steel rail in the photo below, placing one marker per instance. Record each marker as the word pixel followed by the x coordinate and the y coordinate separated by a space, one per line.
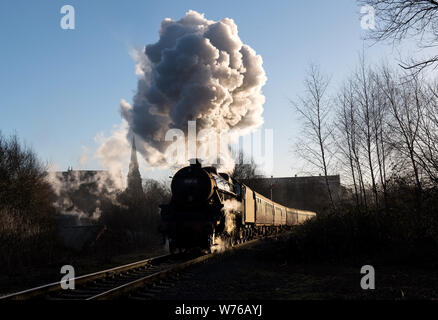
pixel 128 287
pixel 55 286
pixel 121 289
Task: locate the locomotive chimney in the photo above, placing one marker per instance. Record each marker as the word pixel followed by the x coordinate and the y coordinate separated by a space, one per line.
pixel 195 162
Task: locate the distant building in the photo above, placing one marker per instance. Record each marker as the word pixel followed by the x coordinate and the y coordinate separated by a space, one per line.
pixel 308 193
pixel 72 178
pixel 80 193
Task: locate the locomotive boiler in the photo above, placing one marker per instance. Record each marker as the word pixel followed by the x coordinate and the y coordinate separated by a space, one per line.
pixel 208 208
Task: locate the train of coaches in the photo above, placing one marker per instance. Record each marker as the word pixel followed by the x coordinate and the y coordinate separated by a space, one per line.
pixel 208 207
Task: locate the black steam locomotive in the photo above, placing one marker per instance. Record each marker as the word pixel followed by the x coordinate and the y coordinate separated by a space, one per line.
pixel 209 208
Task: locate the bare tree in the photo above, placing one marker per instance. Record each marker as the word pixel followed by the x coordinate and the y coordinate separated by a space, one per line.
pixel 381 133
pixel 248 172
pixel 244 170
pixel 401 19
pixel 428 136
pixel 361 116
pixel 350 139
pixel 356 142
pixel 365 99
pixel 346 139
pixel 406 108
pixel 23 184
pixel 27 224
pixel 314 109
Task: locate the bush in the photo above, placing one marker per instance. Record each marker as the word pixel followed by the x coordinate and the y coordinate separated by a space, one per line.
pixel 134 221
pixel 27 234
pixel 401 233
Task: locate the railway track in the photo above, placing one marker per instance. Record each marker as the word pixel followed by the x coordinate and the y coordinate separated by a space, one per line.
pixel 138 280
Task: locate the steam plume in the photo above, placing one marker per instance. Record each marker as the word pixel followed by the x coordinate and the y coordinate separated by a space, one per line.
pixel 198 70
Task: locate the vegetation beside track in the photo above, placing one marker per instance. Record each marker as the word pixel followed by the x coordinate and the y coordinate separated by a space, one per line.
pixel 264 272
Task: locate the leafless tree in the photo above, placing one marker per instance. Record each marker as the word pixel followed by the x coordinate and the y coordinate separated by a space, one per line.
pixel 23 184
pixel 381 133
pixel 365 100
pixel 247 171
pixel 401 19
pixel 349 141
pixel 407 111
pixel 346 140
pixel 314 109
pixel 244 169
pixel 428 136
pixel 27 232
pixel 384 135
pixel 362 131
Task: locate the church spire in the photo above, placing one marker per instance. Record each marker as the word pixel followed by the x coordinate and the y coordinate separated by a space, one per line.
pixel 133 165
pixel 134 177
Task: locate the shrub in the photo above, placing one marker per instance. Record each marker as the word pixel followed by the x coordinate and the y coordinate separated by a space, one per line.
pixel 134 221
pixel 26 212
pixel 402 232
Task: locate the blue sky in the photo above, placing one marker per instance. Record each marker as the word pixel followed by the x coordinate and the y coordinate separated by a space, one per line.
pixel 59 88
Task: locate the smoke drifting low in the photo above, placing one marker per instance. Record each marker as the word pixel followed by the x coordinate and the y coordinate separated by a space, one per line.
pixel 198 70
pixel 80 193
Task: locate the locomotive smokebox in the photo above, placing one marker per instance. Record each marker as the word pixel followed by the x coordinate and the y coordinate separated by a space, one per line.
pixel 192 184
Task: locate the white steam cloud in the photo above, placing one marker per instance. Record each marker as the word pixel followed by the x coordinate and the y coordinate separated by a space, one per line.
pixel 198 70
pixel 114 152
pixel 230 207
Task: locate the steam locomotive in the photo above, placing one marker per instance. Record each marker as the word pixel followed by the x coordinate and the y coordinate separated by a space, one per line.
pixel 208 208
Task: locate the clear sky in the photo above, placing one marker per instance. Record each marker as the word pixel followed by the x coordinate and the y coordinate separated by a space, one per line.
pixel 60 88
